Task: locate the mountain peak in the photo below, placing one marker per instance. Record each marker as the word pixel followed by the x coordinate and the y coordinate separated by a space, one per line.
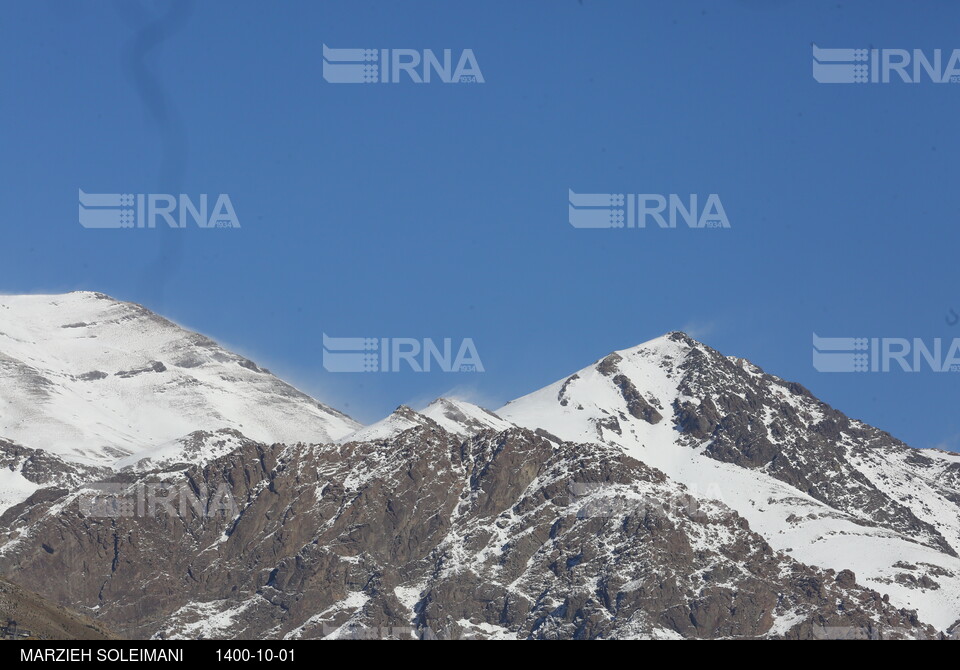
pixel 95 379
pixel 804 475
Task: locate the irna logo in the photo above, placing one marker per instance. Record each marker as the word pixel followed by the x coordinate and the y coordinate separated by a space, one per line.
pixel 395 354
pixel 637 210
pixel 885 354
pixel 392 66
pixel 145 210
pixel 883 66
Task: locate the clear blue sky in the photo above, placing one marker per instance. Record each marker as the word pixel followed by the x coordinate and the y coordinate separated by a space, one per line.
pixel 440 210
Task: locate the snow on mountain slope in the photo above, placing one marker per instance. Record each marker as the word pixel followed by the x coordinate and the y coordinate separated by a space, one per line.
pixel 94 379
pixel 24 471
pixel 463 418
pixel 401 419
pixel 14 488
pixel 197 448
pixel 457 417
pixel 834 493
pixel 930 478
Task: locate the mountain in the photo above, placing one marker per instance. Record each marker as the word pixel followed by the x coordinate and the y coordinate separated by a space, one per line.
pixel 505 534
pixel 831 491
pixel 665 491
pixel 95 380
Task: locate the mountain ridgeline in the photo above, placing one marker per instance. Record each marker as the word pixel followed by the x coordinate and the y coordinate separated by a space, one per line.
pixel 664 491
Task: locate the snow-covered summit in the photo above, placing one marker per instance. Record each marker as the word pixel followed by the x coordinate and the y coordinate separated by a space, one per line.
pixel 95 379
pixel 833 492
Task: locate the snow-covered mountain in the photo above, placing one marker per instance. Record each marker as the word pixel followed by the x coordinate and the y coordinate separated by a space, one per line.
pixel 666 490
pixel 829 491
pixel 96 380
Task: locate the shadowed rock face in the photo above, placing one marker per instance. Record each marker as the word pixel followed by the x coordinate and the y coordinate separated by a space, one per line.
pixel 503 534
pixel 45 469
pixel 636 404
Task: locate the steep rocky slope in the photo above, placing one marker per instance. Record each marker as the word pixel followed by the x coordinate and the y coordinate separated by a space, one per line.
pixel 503 534
pixel 26 616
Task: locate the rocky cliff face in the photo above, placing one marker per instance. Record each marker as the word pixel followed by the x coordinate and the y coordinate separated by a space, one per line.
pixel 503 534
